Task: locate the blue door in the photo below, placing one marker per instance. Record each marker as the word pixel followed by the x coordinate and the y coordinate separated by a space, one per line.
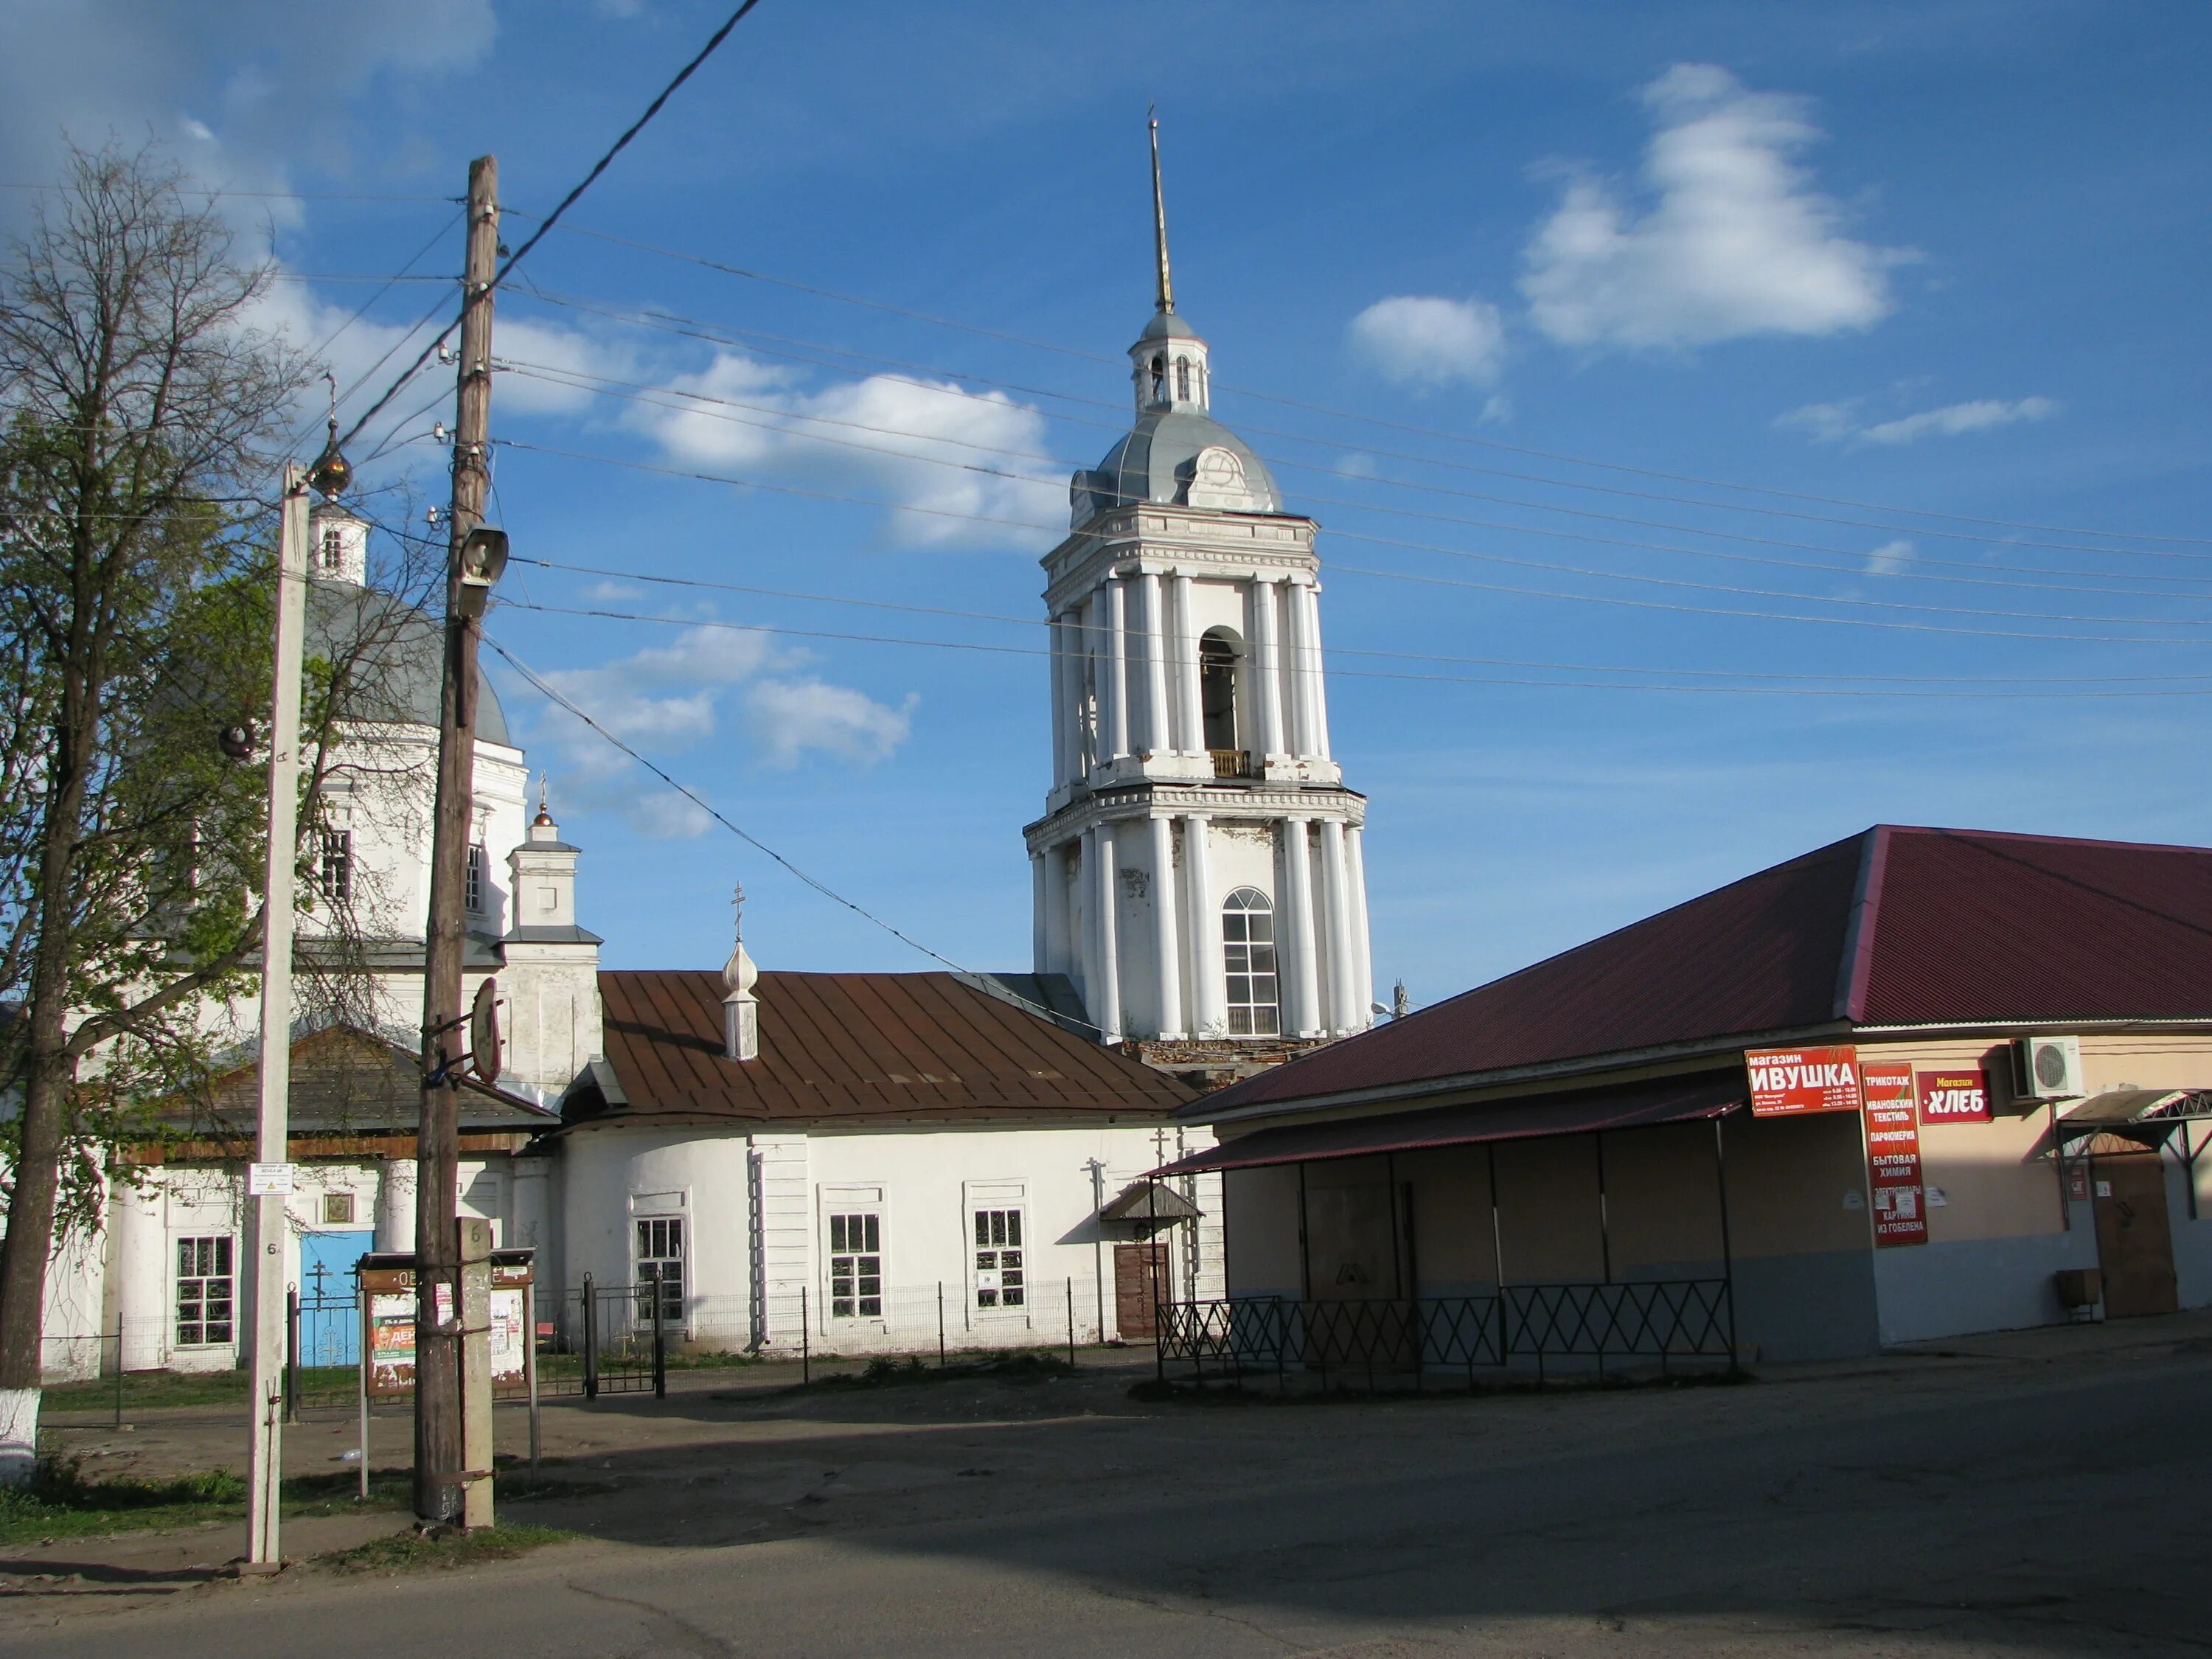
pixel 330 1316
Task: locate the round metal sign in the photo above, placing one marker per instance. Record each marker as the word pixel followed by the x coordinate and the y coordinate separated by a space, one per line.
pixel 483 1032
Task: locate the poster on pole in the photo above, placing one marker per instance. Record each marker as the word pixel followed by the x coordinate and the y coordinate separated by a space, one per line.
pixel 1892 1132
pixel 1793 1082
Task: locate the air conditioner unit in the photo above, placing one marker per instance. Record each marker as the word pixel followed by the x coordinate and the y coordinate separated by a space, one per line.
pixel 2046 1068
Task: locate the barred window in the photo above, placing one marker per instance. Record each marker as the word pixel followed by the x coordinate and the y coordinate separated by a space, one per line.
pixel 1247 952
pixel 998 1278
pixel 476 880
pixel 335 875
pixel 660 1262
pixel 203 1291
pixel 333 549
pixel 856 1267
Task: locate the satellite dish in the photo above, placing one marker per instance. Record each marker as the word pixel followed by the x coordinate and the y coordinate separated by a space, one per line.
pixel 483 1032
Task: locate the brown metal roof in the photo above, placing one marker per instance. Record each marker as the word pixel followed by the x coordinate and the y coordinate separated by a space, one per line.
pixel 910 1047
pixel 1892 926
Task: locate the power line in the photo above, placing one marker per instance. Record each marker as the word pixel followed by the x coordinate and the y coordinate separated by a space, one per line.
pixel 1758 615
pixel 538 683
pixel 553 218
pixel 1445 434
pixel 747 340
pixel 605 614
pixel 780 419
pixel 1337 650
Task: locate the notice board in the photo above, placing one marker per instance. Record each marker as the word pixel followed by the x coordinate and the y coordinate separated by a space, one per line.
pixel 1892 1132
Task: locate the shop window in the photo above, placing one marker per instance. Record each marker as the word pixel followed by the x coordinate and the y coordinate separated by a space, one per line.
pixel 204 1292
pixel 660 1263
pixel 1247 952
pixel 856 1267
pixel 1000 1282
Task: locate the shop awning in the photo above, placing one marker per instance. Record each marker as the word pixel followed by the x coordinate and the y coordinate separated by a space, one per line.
pixel 2147 1116
pixel 1519 1117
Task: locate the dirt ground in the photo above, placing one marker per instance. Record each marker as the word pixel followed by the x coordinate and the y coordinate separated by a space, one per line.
pixel 2037 1493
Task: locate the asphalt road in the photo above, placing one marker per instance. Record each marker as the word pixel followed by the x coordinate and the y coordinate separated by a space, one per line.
pixel 2030 1502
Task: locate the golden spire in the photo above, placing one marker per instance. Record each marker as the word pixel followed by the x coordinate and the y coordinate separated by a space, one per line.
pixel 1160 217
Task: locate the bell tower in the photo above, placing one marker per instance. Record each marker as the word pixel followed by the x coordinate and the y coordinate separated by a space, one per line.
pixel 1198 872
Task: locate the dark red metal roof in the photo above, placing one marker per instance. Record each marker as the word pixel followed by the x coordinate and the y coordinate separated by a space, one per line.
pixel 1524 1117
pixel 1895 926
pixel 907 1047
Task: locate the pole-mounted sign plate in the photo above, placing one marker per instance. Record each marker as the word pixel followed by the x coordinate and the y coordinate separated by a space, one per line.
pixel 483 1032
pixel 268 1179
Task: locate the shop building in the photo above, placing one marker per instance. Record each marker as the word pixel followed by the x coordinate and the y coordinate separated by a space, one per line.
pixel 1917 1084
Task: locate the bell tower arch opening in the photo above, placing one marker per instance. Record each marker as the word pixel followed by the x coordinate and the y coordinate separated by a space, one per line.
pixel 1220 655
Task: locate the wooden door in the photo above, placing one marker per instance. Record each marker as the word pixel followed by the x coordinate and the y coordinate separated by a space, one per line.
pixel 1140 1278
pixel 2134 1244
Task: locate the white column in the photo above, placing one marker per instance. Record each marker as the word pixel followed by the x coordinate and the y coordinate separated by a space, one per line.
pixel 142 1279
pixel 1265 677
pixel 1040 934
pixel 1104 992
pixel 395 1205
pixel 1059 958
pixel 1317 680
pixel 1117 742
pixel 1209 1016
pixel 1159 728
pixel 1298 650
pixel 1167 958
pixel 1094 655
pixel 1363 946
pixel 1295 942
pixel 1336 929
pixel 1192 741
pixel 1063 705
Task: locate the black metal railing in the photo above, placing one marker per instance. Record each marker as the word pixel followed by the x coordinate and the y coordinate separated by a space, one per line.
pixel 1377 1341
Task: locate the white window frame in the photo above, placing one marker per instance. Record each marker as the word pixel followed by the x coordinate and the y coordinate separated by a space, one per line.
pixel 861 1258
pixel 642 1252
pixel 1234 951
pixel 986 1263
pixel 210 1249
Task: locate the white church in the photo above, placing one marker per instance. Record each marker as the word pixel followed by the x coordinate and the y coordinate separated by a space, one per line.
pixel 865 1160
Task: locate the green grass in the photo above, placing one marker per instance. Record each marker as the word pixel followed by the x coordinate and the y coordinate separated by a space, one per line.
pixel 60 1503
pixel 404 1552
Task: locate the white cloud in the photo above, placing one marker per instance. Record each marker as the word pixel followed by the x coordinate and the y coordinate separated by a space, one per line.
pixel 667 698
pixel 1955 418
pixel 788 717
pixel 932 450
pixel 1417 340
pixel 613 591
pixel 1839 423
pixel 1735 242
pixel 1889 559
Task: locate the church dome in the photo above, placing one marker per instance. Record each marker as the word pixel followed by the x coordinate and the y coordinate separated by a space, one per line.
pixel 1168 454
pixel 397 674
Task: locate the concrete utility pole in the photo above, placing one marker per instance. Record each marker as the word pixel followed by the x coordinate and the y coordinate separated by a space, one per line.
pixel 268 1182
pixel 439 1472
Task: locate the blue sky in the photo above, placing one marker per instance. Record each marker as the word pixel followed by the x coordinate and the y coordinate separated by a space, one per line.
pixel 1938 257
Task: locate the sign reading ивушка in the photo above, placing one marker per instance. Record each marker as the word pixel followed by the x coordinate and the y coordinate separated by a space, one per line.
pixel 1786 1082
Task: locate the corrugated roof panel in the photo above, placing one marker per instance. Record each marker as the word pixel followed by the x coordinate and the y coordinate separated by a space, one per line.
pixel 904 1045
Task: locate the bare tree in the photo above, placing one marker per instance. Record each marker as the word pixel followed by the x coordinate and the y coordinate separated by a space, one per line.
pixel 143 411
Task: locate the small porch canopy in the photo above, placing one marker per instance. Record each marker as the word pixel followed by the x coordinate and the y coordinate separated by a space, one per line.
pixel 1520 1117
pixel 2146 1116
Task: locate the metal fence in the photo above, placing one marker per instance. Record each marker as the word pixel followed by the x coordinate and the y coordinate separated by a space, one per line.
pixel 1374 1342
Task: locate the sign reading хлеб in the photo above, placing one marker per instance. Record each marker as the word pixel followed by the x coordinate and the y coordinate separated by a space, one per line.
pixel 1960 1097
pixel 1786 1082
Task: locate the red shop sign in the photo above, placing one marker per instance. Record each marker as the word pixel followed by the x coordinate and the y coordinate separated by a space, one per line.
pixel 1892 1134
pixel 1788 1081
pixel 1960 1097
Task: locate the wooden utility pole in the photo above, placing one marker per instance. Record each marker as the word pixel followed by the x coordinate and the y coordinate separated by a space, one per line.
pixel 268 1183
pixel 439 1472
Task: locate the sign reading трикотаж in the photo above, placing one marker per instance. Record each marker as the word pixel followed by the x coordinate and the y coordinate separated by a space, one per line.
pixel 1786 1082
pixel 1893 1135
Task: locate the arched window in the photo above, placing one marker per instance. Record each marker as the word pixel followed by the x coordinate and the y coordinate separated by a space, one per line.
pixel 1183 378
pixel 1247 952
pixel 1159 380
pixel 1216 690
